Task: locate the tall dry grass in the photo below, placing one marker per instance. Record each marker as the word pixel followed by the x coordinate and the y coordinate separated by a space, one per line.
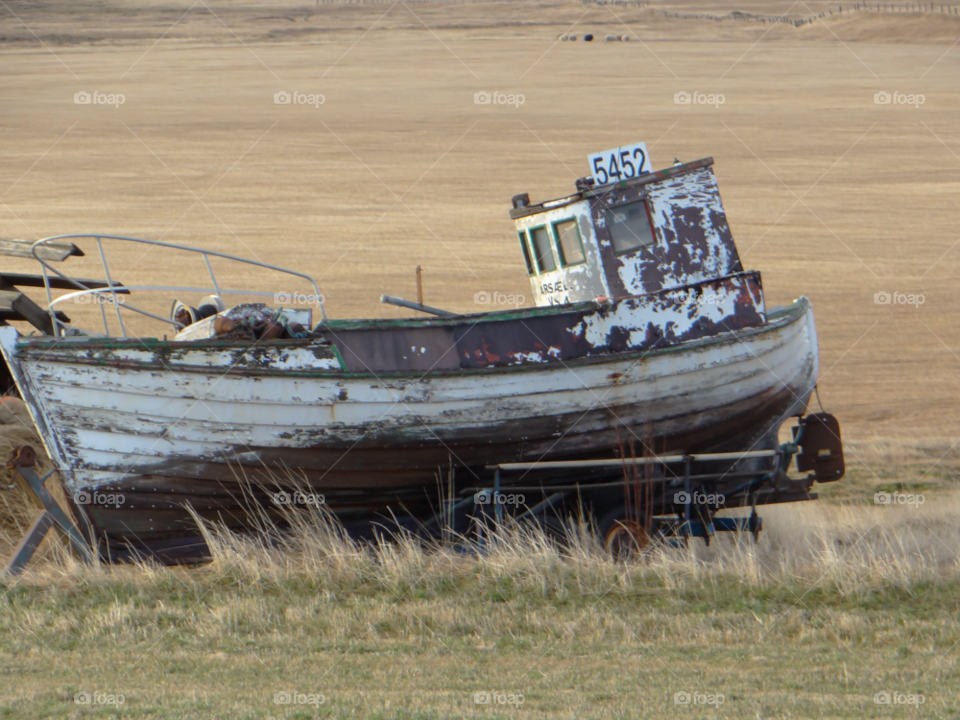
pixel 847 549
pixel 843 549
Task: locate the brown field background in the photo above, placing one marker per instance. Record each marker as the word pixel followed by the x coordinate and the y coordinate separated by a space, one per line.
pixel 827 193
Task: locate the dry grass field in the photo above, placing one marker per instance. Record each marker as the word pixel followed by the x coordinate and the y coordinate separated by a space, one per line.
pixel 834 606
pixel 828 193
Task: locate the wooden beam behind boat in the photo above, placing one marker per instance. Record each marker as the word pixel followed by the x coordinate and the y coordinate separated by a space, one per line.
pixel 56 282
pixel 51 252
pixel 14 305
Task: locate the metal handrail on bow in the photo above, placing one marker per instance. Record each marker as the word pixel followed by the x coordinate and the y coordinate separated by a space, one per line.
pixel 112 290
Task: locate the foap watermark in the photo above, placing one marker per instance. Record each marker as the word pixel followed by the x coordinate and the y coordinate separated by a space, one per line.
pixel 884 697
pixel 98 98
pixel 99 698
pixel 899 498
pixel 698 98
pixel 298 498
pixel 898 298
pixel 498 98
pixel 698 498
pixel 298 98
pixel 898 98
pixel 98 299
pixel 494 697
pixel 698 698
pixel 94 497
pixel 285 697
pixel 288 298
pixel 498 298
pixel 485 497
pixel 692 297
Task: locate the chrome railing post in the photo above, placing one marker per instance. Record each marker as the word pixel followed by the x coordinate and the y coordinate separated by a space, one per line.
pixel 116 305
pixel 213 278
pixel 53 313
pixel 318 296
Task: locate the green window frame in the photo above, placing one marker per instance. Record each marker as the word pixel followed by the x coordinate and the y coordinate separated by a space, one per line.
pixel 546 252
pixel 560 251
pixel 531 270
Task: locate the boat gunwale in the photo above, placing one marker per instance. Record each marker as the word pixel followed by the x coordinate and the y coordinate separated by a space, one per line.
pixel 776 320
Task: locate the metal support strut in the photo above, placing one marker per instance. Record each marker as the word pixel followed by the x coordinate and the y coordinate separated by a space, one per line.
pixel 52 516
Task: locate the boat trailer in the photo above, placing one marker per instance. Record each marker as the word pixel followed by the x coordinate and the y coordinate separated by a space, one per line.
pixel 679 496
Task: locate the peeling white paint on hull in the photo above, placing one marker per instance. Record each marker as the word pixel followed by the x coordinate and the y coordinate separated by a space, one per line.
pixel 123 425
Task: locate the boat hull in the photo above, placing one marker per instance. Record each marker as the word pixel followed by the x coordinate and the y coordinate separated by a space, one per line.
pixel 164 426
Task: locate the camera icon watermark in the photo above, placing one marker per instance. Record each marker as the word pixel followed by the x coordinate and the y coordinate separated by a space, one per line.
pixel 295 298
pixel 494 697
pixel 698 498
pixel 498 298
pixel 93 497
pixel 285 697
pixel 698 98
pixel 693 297
pixel 99 698
pixel 898 98
pixel 98 98
pixel 899 498
pixel 697 698
pixel 298 498
pixel 486 497
pixel 885 697
pixel 298 98
pixel 898 298
pixel 95 298
pixel 498 98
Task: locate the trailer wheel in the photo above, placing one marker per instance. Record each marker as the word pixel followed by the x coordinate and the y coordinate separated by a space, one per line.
pixel 625 540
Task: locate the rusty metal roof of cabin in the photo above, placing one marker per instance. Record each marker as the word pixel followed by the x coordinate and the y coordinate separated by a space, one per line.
pixel 532 209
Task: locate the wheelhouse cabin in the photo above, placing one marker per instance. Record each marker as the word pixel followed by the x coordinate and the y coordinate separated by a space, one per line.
pixel 655 232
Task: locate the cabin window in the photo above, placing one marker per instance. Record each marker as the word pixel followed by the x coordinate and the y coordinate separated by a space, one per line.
pixel 526 254
pixel 569 244
pixel 540 240
pixel 630 227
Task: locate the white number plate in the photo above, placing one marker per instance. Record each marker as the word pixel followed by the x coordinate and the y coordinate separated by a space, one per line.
pixel 621 163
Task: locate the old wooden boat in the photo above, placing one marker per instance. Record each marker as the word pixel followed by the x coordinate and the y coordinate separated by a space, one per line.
pixel 648 339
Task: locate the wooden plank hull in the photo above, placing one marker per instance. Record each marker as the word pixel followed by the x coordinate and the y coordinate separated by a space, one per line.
pixel 164 425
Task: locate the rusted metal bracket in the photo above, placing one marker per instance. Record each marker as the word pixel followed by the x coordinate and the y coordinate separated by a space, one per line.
pixel 821 449
pixel 22 463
